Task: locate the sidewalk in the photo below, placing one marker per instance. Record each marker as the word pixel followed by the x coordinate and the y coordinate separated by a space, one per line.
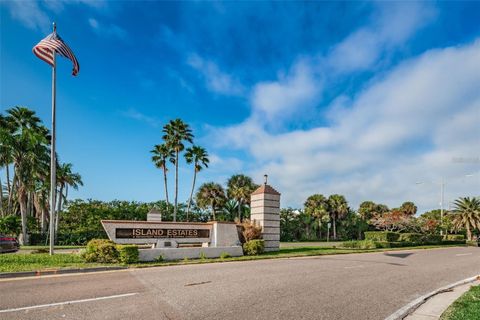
pixel 433 308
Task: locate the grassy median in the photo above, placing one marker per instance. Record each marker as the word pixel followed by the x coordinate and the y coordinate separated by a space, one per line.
pixel 42 261
pixel 467 307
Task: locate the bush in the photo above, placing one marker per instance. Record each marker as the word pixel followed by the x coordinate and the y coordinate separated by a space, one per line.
pixel 360 244
pixel 454 237
pixel 410 237
pixel 127 253
pixel 100 250
pixel 203 256
pixel 454 241
pixel 253 247
pixel 160 258
pixel 10 225
pixel 68 238
pixel 224 255
pixel 432 239
pixel 250 231
pixel 385 236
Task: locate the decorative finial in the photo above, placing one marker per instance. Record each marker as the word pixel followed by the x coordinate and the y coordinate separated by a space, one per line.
pixel 266 178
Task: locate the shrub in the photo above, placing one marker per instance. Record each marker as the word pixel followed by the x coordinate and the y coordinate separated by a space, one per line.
pixel 127 253
pixel 253 247
pixel 100 250
pixel 410 237
pixel 203 256
pixel 360 244
pixel 250 231
pixel 224 255
pixel 454 237
pixel 160 258
pixel 10 225
pixel 432 239
pixel 385 236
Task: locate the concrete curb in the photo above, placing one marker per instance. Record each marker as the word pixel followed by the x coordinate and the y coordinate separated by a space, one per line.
pixel 409 308
pixel 6 275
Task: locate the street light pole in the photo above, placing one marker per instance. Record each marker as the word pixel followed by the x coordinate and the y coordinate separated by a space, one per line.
pixel 442 196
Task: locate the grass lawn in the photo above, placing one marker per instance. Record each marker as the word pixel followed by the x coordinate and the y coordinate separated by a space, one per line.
pixel 36 261
pixel 47 247
pixel 467 307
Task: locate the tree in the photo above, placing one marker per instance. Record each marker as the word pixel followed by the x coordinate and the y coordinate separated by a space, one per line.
pixel 240 188
pixel 199 157
pixel 161 154
pixel 65 178
pixel 230 209
pixel 466 215
pixel 28 141
pixel 409 208
pixel 369 209
pixel 317 206
pixel 395 220
pixel 210 195
pixel 176 132
pixel 338 208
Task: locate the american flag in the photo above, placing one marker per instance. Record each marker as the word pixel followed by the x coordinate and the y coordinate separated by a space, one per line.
pixel 53 43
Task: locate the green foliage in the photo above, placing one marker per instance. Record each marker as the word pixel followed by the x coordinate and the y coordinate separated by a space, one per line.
pixel 467 307
pixel 454 237
pixel 359 244
pixel 160 258
pixel 385 236
pixel 410 237
pixel 10 225
pixel 100 250
pixel 203 256
pixel 224 255
pixel 253 247
pixel 127 253
pixel 29 262
pixel 432 239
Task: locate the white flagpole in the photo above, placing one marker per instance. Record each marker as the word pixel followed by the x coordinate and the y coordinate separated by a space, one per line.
pixel 53 164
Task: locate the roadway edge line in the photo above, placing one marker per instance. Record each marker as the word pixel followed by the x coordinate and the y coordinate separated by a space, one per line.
pixel 410 307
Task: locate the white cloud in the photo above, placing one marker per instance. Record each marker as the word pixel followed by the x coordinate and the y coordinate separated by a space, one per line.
pixel 108 30
pixel 407 126
pixel 29 14
pixel 216 80
pixel 296 92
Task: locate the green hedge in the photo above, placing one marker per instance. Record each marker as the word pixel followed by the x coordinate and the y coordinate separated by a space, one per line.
pixel 386 236
pixel 410 237
pixel 432 239
pixel 68 238
pixel 454 237
pixel 253 247
pixel 369 244
pixel 127 253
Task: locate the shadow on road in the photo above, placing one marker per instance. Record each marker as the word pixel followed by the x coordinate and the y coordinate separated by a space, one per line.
pixel 397 255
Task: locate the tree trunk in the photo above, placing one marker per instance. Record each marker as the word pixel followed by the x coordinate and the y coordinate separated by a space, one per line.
pixel 319 229
pixel 469 232
pixel 2 211
pixel 334 228
pixel 7 169
pixel 213 211
pixel 193 188
pixel 22 199
pixel 10 195
pixel 240 210
pixel 59 207
pixel 176 186
pixel 166 185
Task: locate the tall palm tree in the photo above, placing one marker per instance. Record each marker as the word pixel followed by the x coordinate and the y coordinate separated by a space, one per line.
pixel 316 206
pixel 199 157
pixel 466 215
pixel 29 146
pixel 409 208
pixel 6 130
pixel 176 132
pixel 65 178
pixel 240 188
pixel 338 209
pixel 211 195
pixel 161 154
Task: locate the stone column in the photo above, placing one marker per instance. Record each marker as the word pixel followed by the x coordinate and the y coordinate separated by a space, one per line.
pixel 265 211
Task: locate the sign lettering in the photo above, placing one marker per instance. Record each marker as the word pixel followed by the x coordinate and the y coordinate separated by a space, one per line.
pixel 148 233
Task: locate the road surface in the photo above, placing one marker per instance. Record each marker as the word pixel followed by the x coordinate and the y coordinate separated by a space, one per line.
pixel 355 286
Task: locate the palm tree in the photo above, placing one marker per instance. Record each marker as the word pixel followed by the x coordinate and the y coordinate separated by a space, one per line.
pixel 466 215
pixel 230 209
pixel 65 178
pixel 211 195
pixel 176 132
pixel 161 154
pixel 240 188
pixel 338 208
pixel 28 142
pixel 199 157
pixel 316 206
pixel 409 208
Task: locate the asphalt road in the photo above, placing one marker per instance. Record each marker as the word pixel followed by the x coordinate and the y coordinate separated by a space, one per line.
pixel 355 286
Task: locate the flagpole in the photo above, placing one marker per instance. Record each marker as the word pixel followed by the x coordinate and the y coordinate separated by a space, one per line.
pixel 53 165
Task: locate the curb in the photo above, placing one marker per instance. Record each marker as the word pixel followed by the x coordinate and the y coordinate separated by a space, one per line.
pixel 407 309
pixel 37 273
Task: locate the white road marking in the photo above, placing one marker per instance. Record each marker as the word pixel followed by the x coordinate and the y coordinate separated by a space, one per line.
pixel 353 267
pixel 68 302
pixel 463 254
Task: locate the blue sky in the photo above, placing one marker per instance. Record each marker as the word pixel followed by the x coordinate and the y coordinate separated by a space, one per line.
pixel 358 98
